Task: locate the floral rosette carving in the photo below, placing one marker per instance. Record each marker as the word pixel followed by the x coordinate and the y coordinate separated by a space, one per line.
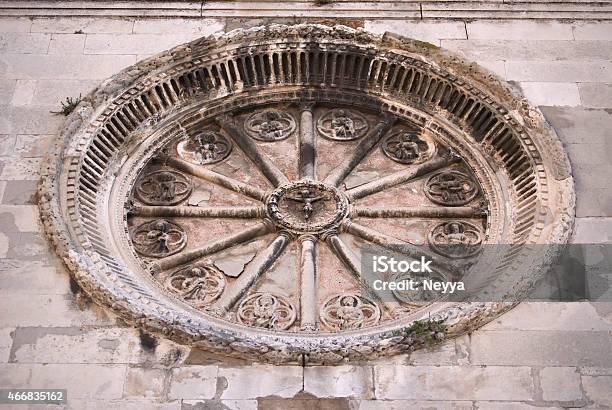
pixel 159 238
pixel 270 125
pixel 452 188
pixel 347 311
pixel 342 125
pixel 455 239
pixel 267 311
pixel 199 284
pixel 418 296
pixel 408 147
pixel 206 148
pixel 163 187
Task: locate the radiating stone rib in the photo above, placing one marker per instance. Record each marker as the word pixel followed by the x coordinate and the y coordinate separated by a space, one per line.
pixel 419 212
pixel 440 263
pixel 307 153
pixel 259 229
pixel 351 261
pixel 308 287
pixel 249 147
pixel 338 174
pixel 216 178
pixel 253 270
pixel 400 177
pixel 200 212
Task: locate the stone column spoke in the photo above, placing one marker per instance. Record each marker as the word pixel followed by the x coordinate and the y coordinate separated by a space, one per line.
pixel 252 151
pixel 253 270
pixel 308 287
pixel 307 154
pixel 247 234
pixel 338 174
pixel 419 212
pixel 246 212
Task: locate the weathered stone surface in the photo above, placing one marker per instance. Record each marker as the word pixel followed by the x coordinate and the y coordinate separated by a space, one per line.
pixel 193 383
pixel 593 154
pixel 144 383
pixel 545 348
pixel 201 27
pixel 553 316
pixel 32 145
pixel 280 381
pixel 82 381
pixel 413 404
pixel 24 92
pixel 61 67
pixel 453 383
pixel 19 192
pixel 6 340
pixel 30 277
pixel 15 24
pixel 508 405
pixel 496 66
pixel 580 125
pixel 593 230
pixel 82 24
pixel 596 95
pixel 553 53
pixel 134 43
pixel 564 71
pixel 519 30
pixel 123 404
pixel 560 384
pixel 29 120
pixel 24 218
pixel 24 43
pixel 597 389
pixel 551 93
pixel 588 30
pixel 429 31
pixel 53 92
pixel 20 169
pixel 67 44
pixel 340 381
pixel 219 404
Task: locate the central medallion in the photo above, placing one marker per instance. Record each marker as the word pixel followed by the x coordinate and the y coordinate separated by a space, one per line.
pixel 307 207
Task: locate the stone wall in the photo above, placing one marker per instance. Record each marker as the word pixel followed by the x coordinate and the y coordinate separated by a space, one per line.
pixel 538 355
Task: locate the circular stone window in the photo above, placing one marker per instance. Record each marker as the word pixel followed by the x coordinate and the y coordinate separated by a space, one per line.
pixel 219 193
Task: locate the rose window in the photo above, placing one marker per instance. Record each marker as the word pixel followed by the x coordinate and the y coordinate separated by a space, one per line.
pixel 221 193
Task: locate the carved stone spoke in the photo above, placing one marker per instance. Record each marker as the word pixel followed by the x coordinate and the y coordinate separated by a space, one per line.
pixel 419 212
pixel 240 212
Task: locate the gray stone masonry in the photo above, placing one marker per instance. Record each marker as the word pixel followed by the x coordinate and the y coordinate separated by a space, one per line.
pixel 539 355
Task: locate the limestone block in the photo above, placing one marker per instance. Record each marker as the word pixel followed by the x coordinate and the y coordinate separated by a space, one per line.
pixel 144 383
pixel 220 404
pixel 593 230
pixel 201 27
pixel 15 24
pixel 413 404
pixel 24 92
pixel 53 92
pixel 531 50
pixel 600 30
pixel 579 125
pixel 18 192
pixel 560 384
pixel 496 66
pixel 519 30
pixel 560 71
pixel 29 120
pixel 285 381
pixel 82 24
pixel 594 154
pixel 67 44
pixel 24 43
pixel 597 389
pixel 67 67
pixel 123 404
pixel 19 169
pixel 193 383
pixel 551 93
pixel 453 383
pixel 33 145
pixel 134 43
pixel 545 348
pixel 23 218
pixel 596 95
pixel 27 277
pixel 429 31
pixel 339 381
pixel 6 340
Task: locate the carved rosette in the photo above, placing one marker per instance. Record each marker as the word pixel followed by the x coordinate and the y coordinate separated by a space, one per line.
pixel 206 148
pixel 163 187
pixel 452 188
pixel 267 311
pixel 348 311
pixel 419 296
pixel 408 147
pixel 199 284
pixel 270 125
pixel 159 238
pixel 455 239
pixel 342 125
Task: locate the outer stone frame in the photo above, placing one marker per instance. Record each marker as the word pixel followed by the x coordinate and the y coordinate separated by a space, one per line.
pixel 548 218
